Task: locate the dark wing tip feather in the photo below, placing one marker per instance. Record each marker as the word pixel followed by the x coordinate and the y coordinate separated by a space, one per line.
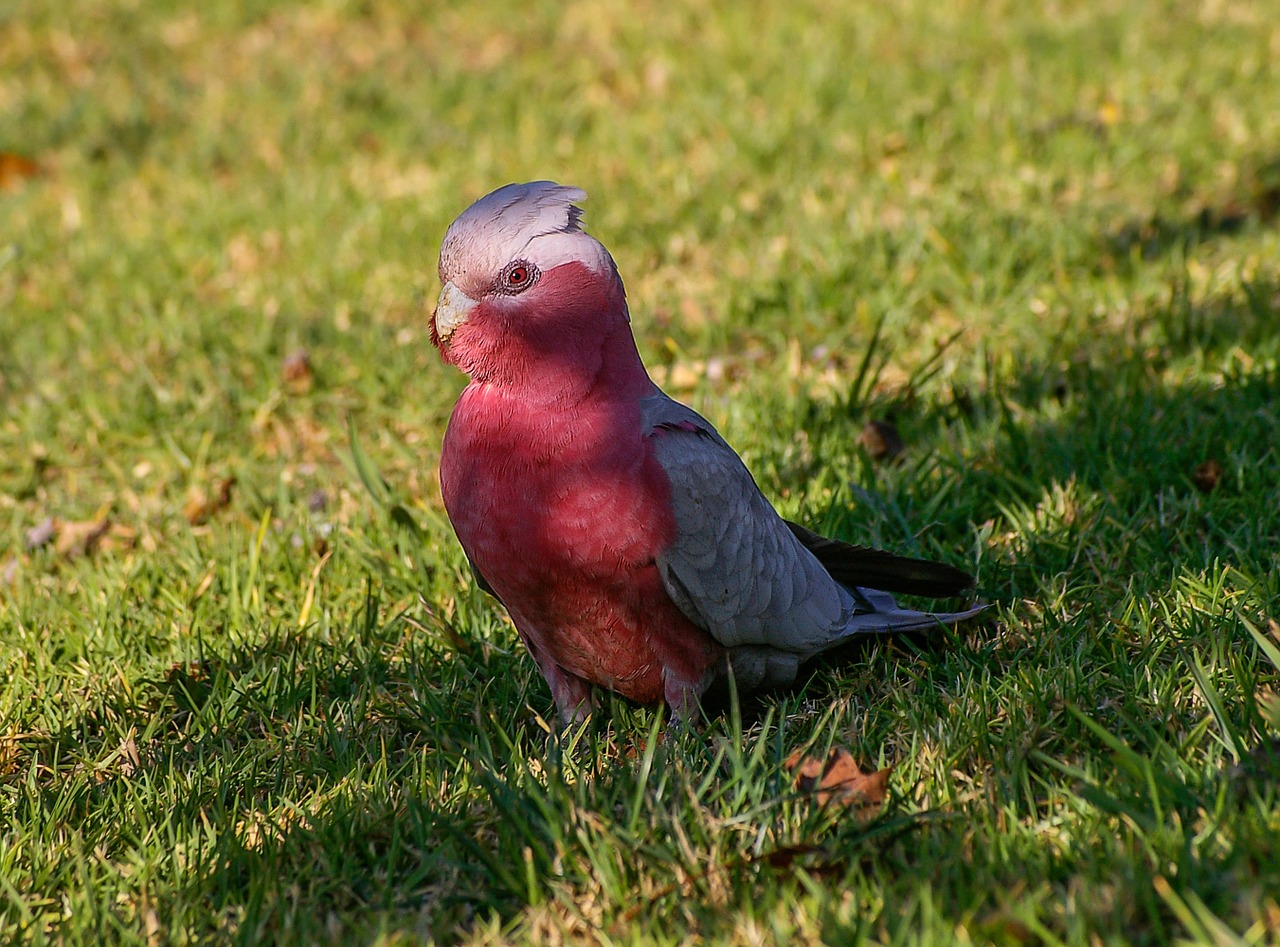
pixel 877 569
pixel 481 580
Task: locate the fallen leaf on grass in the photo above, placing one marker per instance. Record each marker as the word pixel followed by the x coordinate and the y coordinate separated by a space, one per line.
pixel 80 538
pixel 203 505
pixel 296 370
pixel 118 536
pixel 13 754
pixel 1207 475
pixel 260 829
pixel 15 169
pixel 125 760
pixel 881 440
pixel 837 778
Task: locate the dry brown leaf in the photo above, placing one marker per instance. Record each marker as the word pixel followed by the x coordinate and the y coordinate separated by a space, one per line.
pixel 15 169
pixel 203 505
pixel 81 537
pixel 881 440
pixel 837 778
pixel 12 755
pixel 118 536
pixel 296 370
pixel 126 757
pixel 1207 475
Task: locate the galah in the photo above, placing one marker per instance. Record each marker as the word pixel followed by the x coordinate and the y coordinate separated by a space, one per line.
pixel 627 540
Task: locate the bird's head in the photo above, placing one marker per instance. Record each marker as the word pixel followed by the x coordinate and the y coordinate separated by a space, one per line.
pixel 526 290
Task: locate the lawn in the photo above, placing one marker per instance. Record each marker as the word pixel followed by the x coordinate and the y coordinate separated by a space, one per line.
pixel 248 690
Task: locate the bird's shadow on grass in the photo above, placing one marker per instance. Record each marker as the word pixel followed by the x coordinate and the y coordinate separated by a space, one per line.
pixel 1142 469
pixel 325 762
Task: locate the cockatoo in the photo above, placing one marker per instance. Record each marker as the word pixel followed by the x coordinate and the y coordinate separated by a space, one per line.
pixel 625 537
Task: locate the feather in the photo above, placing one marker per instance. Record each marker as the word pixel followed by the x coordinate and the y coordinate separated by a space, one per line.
pixel 855 566
pixel 499 225
pixel 481 581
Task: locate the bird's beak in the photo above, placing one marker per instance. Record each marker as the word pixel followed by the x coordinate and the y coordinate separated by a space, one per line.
pixel 452 310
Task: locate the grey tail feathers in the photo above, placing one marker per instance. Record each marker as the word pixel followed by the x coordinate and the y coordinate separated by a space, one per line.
pixel 893 620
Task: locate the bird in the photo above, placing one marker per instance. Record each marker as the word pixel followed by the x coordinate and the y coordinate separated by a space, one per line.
pixel 628 542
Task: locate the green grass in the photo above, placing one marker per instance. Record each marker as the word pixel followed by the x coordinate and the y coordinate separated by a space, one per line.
pixel 296 721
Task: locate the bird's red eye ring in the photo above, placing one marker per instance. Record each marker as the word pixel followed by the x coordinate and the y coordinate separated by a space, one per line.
pixel 517 276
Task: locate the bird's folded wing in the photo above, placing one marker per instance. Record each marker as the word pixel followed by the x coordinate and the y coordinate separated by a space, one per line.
pixel 735 568
pixel 481 580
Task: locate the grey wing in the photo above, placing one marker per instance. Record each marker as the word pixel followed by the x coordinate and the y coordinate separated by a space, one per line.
pixel 735 568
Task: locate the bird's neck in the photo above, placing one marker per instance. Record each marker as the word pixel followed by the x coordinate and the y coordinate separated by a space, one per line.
pixel 581 368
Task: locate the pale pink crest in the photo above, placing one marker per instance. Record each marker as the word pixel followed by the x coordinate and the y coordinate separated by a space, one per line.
pixel 539 221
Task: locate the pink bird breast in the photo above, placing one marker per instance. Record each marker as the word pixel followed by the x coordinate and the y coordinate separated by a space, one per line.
pixel 552 487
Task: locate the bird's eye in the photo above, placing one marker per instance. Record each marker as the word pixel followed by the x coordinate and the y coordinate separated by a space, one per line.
pixel 518 276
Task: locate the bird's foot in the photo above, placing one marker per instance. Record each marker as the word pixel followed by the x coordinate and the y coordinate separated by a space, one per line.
pixel 684 696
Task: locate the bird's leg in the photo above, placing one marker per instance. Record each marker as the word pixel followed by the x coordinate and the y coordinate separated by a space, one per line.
pixel 757 667
pixel 574 697
pixel 684 695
